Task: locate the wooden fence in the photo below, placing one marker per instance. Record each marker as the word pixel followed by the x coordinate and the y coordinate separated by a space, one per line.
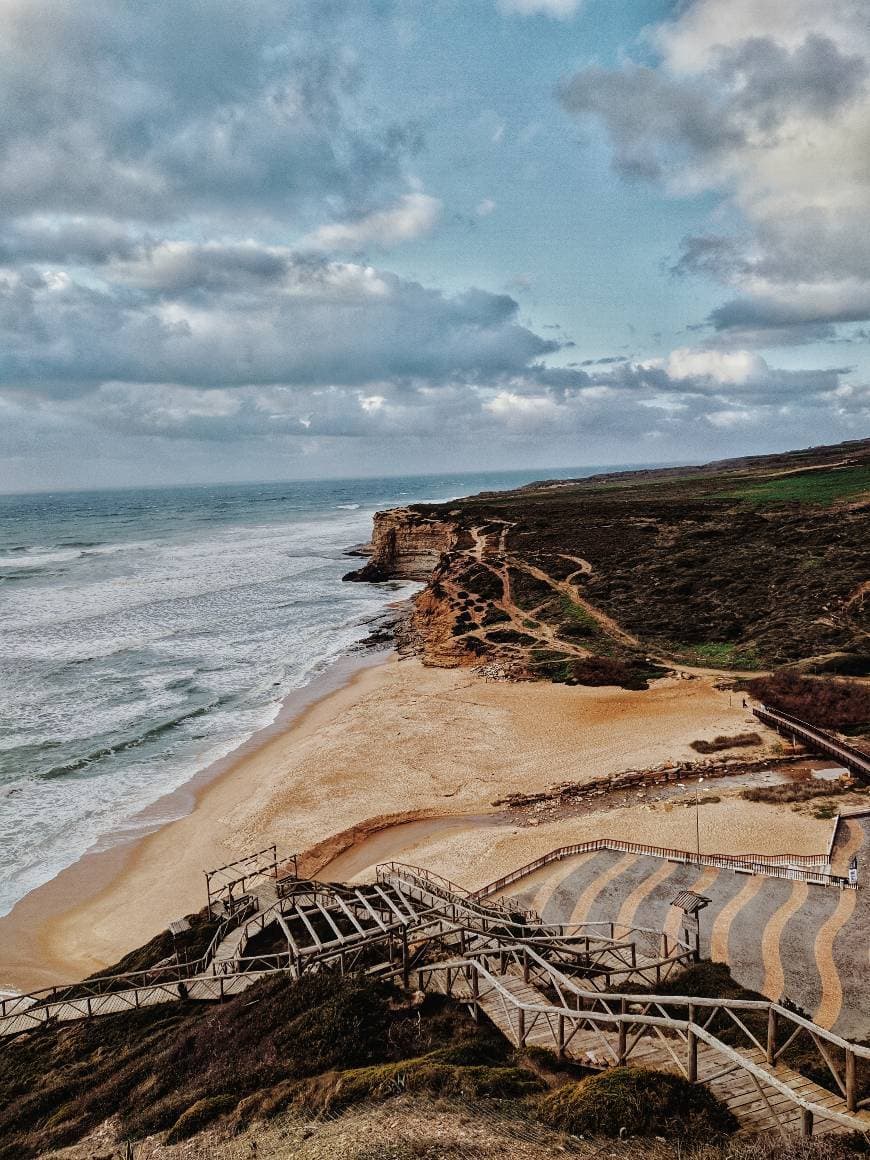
pixel 818 739
pixel 813 868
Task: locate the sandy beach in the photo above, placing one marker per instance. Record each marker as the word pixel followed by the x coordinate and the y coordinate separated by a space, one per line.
pixel 404 761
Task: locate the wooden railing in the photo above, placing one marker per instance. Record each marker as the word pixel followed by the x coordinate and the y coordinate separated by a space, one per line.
pixel 451 891
pixel 689 1018
pixel 433 886
pixel 854 759
pixel 813 868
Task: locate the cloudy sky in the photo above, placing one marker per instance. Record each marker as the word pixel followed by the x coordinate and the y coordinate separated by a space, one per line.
pixel 299 238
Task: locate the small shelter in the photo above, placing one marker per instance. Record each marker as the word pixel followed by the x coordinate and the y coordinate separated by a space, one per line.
pixel 691 905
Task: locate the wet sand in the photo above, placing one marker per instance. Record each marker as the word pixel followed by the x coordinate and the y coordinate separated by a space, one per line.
pixel 400 743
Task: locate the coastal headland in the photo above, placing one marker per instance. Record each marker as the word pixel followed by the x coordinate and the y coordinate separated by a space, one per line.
pixel 566 633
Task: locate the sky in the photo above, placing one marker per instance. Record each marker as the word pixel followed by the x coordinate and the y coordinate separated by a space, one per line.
pixel 313 238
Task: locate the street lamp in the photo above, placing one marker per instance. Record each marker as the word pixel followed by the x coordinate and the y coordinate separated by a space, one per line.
pixel 698 819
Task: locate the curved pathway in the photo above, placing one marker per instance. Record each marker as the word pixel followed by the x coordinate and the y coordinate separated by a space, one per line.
pixel 774 976
pixel 807 942
pixel 719 937
pixel 832 990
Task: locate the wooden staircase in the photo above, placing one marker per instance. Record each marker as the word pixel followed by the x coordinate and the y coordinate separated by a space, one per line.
pixel 533 1004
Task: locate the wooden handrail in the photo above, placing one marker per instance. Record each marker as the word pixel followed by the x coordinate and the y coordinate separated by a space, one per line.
pixel 808 867
pixel 820 739
pixel 629 1019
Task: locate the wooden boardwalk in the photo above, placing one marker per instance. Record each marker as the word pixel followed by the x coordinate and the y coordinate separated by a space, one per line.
pixel 764 1096
pixel 540 983
pixel 817 739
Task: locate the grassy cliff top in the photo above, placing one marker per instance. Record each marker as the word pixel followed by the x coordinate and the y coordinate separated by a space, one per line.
pixel 741 565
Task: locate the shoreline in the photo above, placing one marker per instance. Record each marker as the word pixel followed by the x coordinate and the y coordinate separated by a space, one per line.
pixel 397 759
pixel 24 935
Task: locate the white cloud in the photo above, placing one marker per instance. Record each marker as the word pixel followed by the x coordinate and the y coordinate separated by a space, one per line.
pixel 413 216
pixel 510 405
pixel 734 367
pixel 766 105
pixel 485 208
pixel 560 9
pixel 729 418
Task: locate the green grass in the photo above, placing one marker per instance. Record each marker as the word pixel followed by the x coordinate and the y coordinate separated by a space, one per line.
pixel 718 654
pixel 816 487
pixel 578 614
pixel 640 1102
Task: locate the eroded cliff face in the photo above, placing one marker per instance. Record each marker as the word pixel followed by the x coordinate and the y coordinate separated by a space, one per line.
pixel 406 545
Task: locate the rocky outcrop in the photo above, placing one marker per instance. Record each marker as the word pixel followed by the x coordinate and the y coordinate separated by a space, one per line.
pixel 406 545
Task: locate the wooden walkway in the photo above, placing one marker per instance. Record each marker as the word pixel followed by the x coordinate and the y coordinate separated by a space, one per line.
pixel 540 983
pixel 817 739
pixel 764 1096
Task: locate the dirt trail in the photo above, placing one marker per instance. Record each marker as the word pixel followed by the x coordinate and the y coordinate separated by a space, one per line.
pixel 607 623
pixel 499 561
pixel 489 549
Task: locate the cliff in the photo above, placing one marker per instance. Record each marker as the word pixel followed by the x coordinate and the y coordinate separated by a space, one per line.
pixel 739 566
pixel 406 545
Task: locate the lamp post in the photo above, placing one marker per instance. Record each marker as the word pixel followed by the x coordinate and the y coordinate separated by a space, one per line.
pixel 698 819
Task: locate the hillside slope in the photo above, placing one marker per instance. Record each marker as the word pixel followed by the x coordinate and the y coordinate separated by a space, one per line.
pixel 741 565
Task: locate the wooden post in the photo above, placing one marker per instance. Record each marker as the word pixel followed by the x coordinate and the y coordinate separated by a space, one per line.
pixel 772 1020
pixel 806 1122
pixel 621 1050
pixel 521 1027
pixel 525 964
pixel 851 1085
pixel 406 974
pixel 475 994
pixel 692 1044
pixel 561 1046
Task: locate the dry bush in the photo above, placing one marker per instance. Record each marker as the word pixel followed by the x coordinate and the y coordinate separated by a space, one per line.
pixel 738 741
pixel 830 704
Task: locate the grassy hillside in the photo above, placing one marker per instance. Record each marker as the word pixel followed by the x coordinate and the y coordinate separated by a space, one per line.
pixel 744 567
pixel 322 1045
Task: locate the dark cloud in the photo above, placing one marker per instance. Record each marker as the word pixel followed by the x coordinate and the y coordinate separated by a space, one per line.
pixel 771 314
pixel 769 83
pixel 83 241
pixel 150 111
pixel 651 120
pixel 217 316
pixel 655 120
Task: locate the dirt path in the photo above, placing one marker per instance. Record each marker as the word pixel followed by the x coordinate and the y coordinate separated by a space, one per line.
pixel 607 623
pixel 489 550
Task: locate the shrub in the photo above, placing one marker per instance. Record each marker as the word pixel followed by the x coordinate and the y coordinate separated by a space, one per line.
pixel 601 670
pixel 830 704
pixel 430 1074
pixel 640 1102
pixel 199 1115
pixel 792 791
pixel 738 741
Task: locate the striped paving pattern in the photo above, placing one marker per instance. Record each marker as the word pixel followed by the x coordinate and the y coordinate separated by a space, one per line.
pixel 807 943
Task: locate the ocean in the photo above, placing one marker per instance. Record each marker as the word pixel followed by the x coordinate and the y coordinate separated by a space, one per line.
pixel 146 633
